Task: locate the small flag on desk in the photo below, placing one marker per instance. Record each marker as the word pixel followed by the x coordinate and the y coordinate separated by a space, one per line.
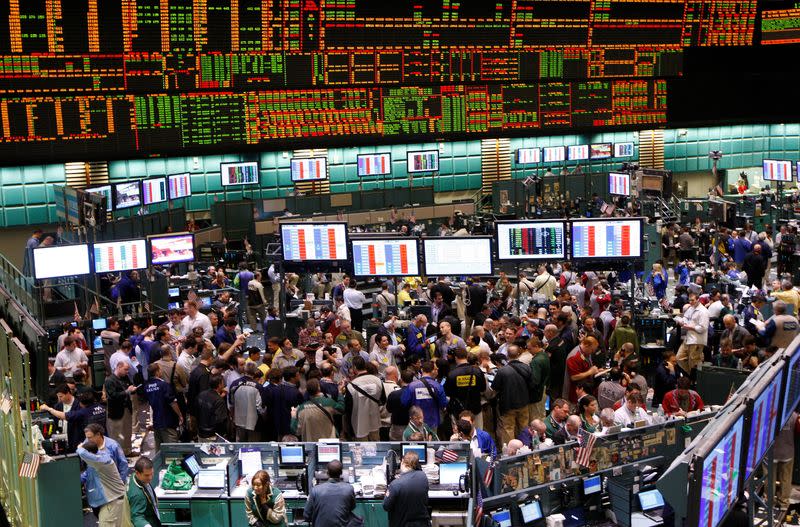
pixel 489 475
pixel 447 455
pixel 478 508
pixel 29 466
pixel 586 442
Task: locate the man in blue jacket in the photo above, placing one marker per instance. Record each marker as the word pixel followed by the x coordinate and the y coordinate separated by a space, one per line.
pixel 480 441
pixel 741 246
pixel 406 498
pixel 105 475
pixel 418 346
pixel 428 394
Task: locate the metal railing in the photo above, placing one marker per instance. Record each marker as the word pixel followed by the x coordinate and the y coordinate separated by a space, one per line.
pixel 21 288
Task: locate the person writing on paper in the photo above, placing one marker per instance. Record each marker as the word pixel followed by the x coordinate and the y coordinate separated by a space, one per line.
pixel 682 400
pixel 263 503
pixel 580 367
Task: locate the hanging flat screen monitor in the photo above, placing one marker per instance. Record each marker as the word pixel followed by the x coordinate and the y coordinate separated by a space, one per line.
pixel 777 170
pixel 553 154
pixel 426 161
pixel 531 240
pixel 763 420
pixel 578 152
pixel 309 169
pixel 619 184
pixel 61 260
pixel 529 156
pixel 239 173
pixel 623 149
pixel 103 190
pixel 600 151
pixel 603 239
pixel 127 195
pixel 180 185
pixel 111 257
pixel 791 387
pixel 374 164
pixel 390 257
pixel 458 256
pixel 154 190
pixel 309 242
pixel 174 248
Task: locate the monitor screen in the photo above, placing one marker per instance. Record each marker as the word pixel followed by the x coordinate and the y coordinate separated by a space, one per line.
pixel 600 151
pixel 651 499
pixel 619 184
pixel 174 291
pixel 719 481
pixel 174 248
pixel 174 305
pixel 327 452
pixel 180 185
pixel 111 257
pixel 239 173
pixel 618 238
pixel 458 256
pixel 450 473
pixel 391 257
pixel 791 388
pixel 291 455
pixel 374 164
pixel 309 169
pixel 103 190
pixel 427 161
pixel 98 342
pixel 99 324
pixel 763 425
pixel 304 242
pixel 592 485
pixel 776 170
pixel 154 190
pixel 578 152
pixel 530 240
pixel 205 301
pixel 623 149
pixel 127 195
pixel 553 154
pixel 502 517
pixel 61 260
pixel 191 465
pixel 531 511
pixel 211 479
pixel 527 156
pixel 419 449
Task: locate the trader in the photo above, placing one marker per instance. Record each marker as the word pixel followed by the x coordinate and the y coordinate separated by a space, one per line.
pixel 330 504
pixel 142 498
pixel 406 498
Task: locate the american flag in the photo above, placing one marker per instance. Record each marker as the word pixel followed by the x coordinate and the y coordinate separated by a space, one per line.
pixel 478 508
pixel 447 455
pixel 29 466
pixel 585 445
pixel 489 475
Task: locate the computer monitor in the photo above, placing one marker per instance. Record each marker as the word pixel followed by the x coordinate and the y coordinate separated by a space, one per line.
pixel 211 479
pixel 764 417
pixel 309 169
pixel 239 173
pixel 606 239
pixel 103 190
pixel 389 257
pixel 374 164
pixel 98 343
pixel 425 161
pixel 592 485
pixel 125 255
pixel 309 242
pixel 777 170
pixel 174 292
pixel 419 449
pixel 205 301
pixel 450 473
pixel 528 156
pixel 173 248
pixel 60 261
pixel 553 154
pixel 174 305
pixel 578 152
pixel 531 511
pixel 327 452
pixel 600 151
pixel 458 256
pixel 99 324
pixel 623 149
pixel 619 184
pixel 291 455
pixel 191 465
pixel 791 386
pixel 502 517
pixel 180 185
pixel 154 190
pixel 651 499
pixel 531 239
pixel 127 195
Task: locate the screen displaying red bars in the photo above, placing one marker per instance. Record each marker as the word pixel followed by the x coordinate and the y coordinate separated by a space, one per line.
pixel 120 256
pixel 154 190
pixel 314 241
pixel 619 184
pixel 310 169
pixel 374 164
pixel 592 239
pixel 396 257
pixel 180 186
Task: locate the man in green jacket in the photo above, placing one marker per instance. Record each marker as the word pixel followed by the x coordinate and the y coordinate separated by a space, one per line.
pixel 142 497
pixel 623 333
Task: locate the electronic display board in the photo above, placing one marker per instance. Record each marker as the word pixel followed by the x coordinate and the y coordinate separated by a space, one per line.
pixel 118 256
pixel 309 169
pixel 777 170
pixel 553 154
pixel 239 173
pixel 172 248
pixel 530 240
pixel 130 79
pixel 619 184
pixel 780 26
pixel 763 420
pixel 623 149
pixel 791 387
pixel 154 190
pixel 600 151
pixel 127 195
pixel 309 242
pixel 578 152
pixel 180 185
pixel 529 156
pixel 458 256
pixel 60 261
pixel 374 164
pixel 426 161
pixel 390 257
pixel 106 191
pixel 607 238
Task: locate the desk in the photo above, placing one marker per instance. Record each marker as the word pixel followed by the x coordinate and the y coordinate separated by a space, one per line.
pixel 638 519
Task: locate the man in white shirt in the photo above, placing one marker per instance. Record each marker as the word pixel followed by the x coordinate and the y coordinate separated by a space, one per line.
pixel 195 319
pixel 123 354
pixel 384 353
pixel 715 305
pixel 355 300
pixel 71 358
pixel 631 412
pixel 175 323
pixel 275 280
pixel 545 284
pixel 695 322
pixel 187 360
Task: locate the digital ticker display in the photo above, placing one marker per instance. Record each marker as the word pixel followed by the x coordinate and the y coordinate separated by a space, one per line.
pixel 137 78
pixel 528 240
pixel 720 478
pixel 780 26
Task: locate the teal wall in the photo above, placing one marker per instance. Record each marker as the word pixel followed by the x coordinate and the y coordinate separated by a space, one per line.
pixel 26 196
